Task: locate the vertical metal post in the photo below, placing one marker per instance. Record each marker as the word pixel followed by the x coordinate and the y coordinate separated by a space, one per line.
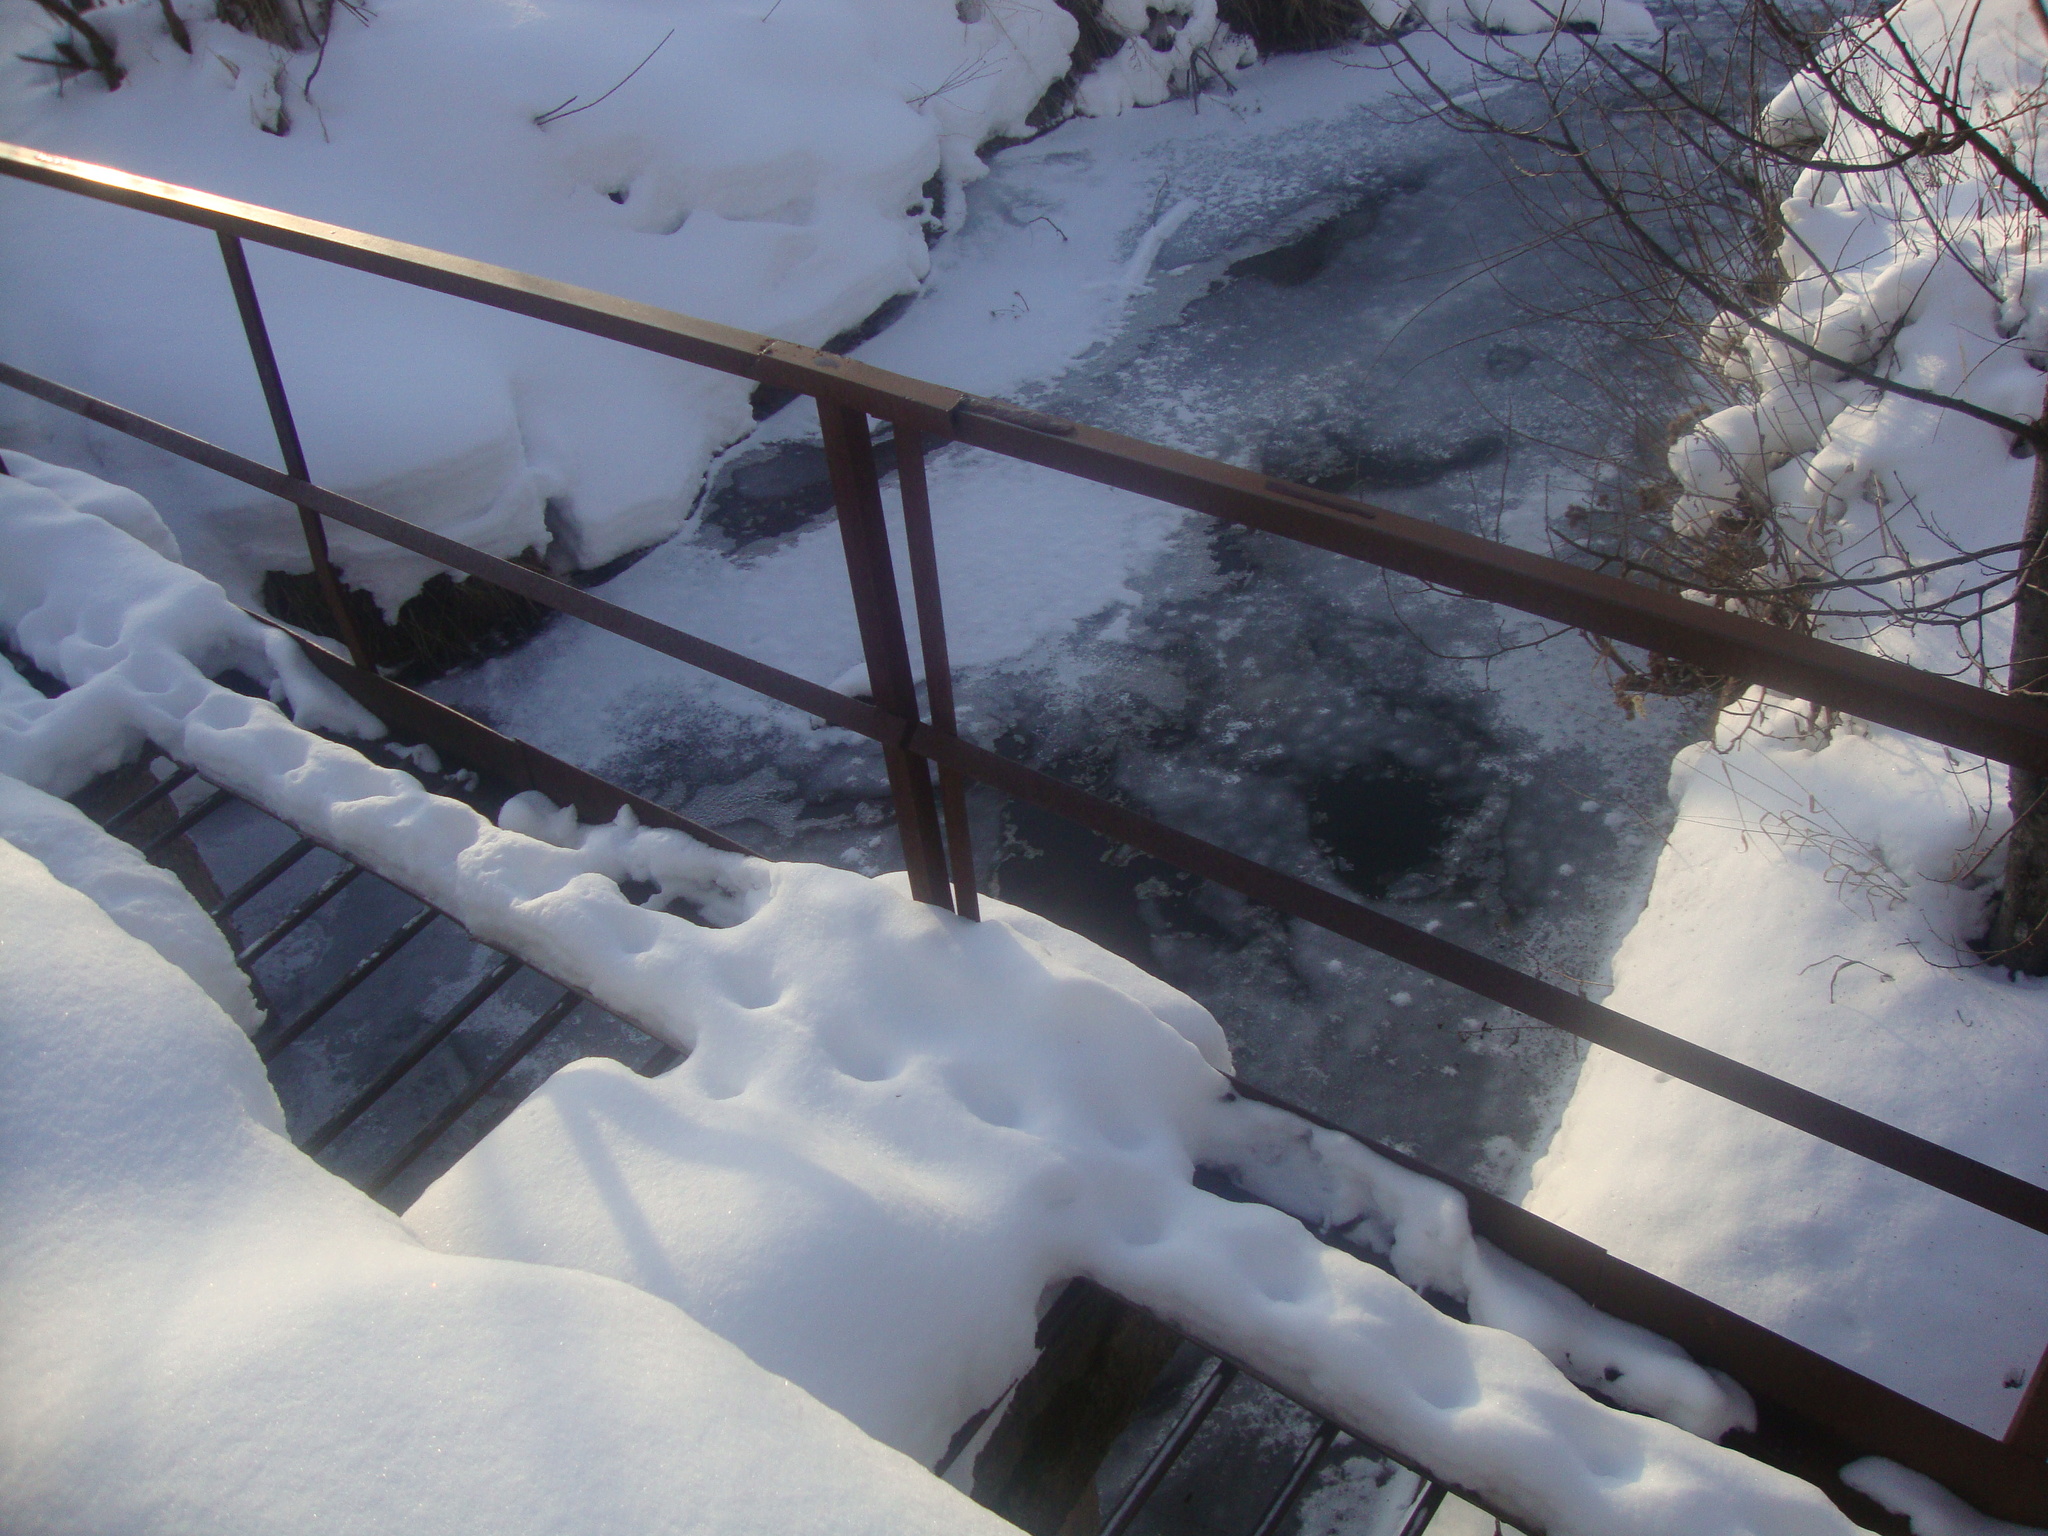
pixel 938 666
pixel 281 422
pixel 856 489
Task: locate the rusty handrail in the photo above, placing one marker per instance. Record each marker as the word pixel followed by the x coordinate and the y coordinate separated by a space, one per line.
pixel 1941 709
pixel 897 729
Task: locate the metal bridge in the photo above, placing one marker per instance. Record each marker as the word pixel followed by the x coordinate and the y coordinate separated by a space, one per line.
pixel 1815 1414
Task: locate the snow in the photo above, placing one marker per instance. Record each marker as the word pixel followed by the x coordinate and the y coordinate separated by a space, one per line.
pixel 765 168
pixel 895 1133
pixel 206 1331
pixel 145 902
pixel 1812 909
pixel 1931 1509
pixel 778 165
pixel 134 637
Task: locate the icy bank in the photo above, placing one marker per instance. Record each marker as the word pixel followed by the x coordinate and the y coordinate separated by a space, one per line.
pixel 1812 910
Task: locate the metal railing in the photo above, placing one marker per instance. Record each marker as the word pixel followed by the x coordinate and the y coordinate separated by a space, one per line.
pixel 932 821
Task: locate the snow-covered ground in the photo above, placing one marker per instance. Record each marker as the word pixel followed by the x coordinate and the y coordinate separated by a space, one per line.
pixel 1813 907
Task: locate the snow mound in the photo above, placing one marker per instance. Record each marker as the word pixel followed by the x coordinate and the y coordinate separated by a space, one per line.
pixel 206 1331
pixel 1804 918
pixel 776 166
pixel 132 634
pixel 145 902
pixel 1931 1508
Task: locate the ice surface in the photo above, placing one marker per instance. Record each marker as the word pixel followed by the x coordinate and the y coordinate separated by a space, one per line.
pixel 1315 314
pixel 206 1331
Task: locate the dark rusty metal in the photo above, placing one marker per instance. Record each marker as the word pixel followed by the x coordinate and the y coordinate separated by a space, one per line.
pixel 412 1056
pixel 1304 1467
pixel 857 491
pixel 1941 709
pixel 1153 1473
pixel 1981 1185
pixel 804 370
pixel 1099 1356
pixel 161 790
pixel 279 404
pixel 516 765
pixel 812 698
pixel 1429 1498
pixel 272 1040
pixel 257 948
pixel 186 822
pixel 257 883
pixel 2008 1480
pixel 1727 644
pixel 1823 1415
pixel 938 664
pixel 423 1140
pixel 1989 1188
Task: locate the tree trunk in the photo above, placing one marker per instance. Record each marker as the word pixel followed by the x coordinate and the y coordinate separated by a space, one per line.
pixel 2019 939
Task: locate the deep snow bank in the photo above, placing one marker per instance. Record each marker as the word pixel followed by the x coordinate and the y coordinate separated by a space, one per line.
pixel 772 165
pixel 1812 909
pixel 206 1331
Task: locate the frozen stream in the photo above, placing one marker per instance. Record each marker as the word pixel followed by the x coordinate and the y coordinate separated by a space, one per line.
pixel 1298 277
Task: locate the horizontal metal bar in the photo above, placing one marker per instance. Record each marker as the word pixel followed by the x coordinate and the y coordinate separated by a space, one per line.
pixel 149 797
pixel 1989 1188
pixel 435 1128
pixel 1835 1408
pixel 519 765
pixel 256 949
pixel 1161 1461
pixel 249 889
pixel 412 1056
pixel 1941 709
pixel 664 1057
pixel 813 698
pixel 722 347
pixel 270 1042
pixel 1298 1475
pixel 186 822
pixel 1429 1498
